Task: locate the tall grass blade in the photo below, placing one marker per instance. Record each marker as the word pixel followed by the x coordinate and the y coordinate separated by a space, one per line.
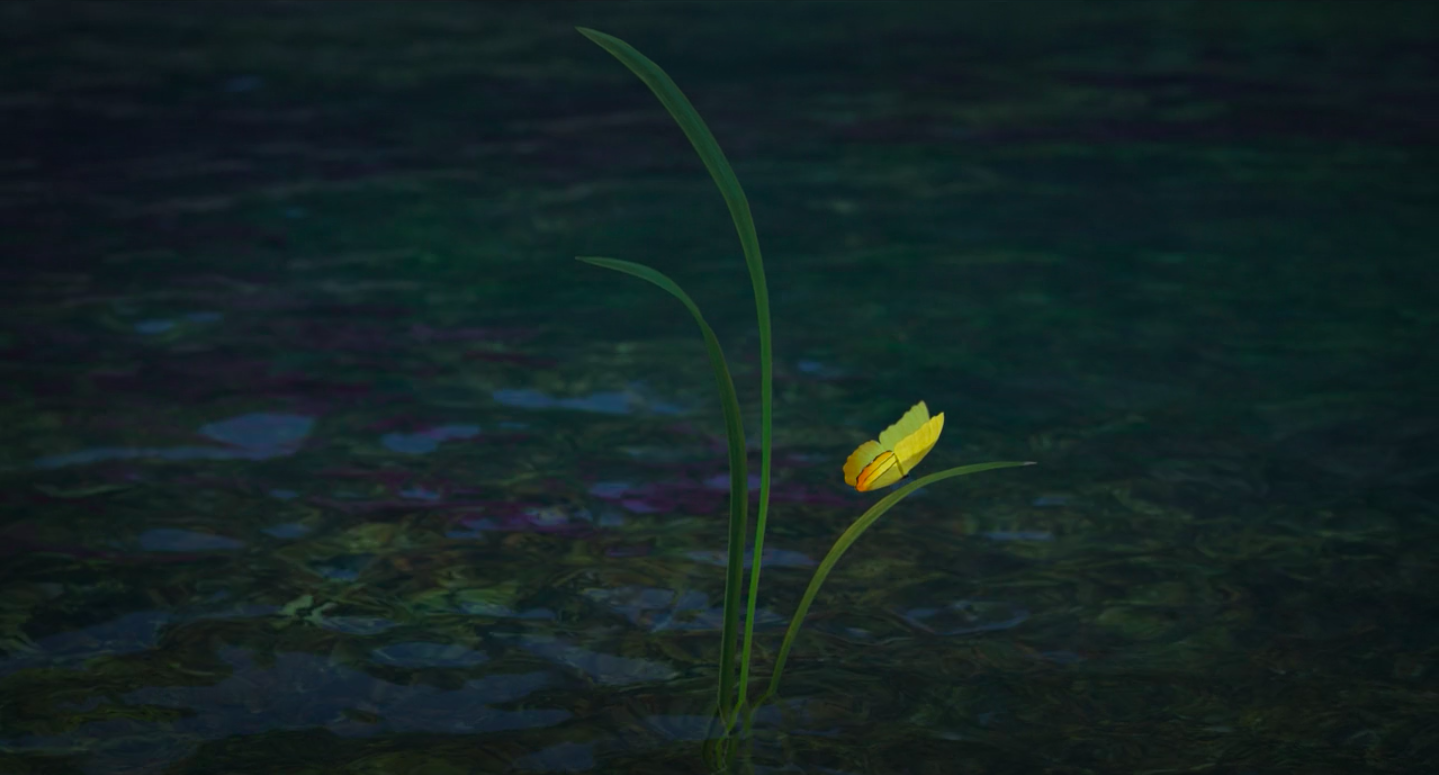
pixel 738 478
pixel 719 168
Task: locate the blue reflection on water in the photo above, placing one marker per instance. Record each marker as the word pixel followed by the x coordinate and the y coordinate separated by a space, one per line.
pixel 286 530
pixel 254 436
pixel 261 431
pixel 154 326
pixel 424 654
pixel 126 634
pixel 427 440
pixel 325 693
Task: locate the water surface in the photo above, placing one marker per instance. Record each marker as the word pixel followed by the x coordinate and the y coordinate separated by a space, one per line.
pixel 320 454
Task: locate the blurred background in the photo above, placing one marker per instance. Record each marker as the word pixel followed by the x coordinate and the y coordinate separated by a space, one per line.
pixel 319 453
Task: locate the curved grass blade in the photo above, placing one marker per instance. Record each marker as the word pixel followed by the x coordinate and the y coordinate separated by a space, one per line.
pixel 704 143
pixel 738 477
pixel 842 545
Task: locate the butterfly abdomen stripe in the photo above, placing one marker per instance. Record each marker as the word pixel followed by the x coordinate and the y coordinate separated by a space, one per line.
pixel 876 468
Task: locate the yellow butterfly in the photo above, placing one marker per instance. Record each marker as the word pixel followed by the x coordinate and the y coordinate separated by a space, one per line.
pixel 876 464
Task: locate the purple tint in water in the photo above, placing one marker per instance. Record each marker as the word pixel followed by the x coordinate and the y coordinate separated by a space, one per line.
pixel 639 506
pixel 721 482
pixel 168 539
pixel 425 333
pixel 505 516
pixel 700 496
pixel 632 497
pixel 611 490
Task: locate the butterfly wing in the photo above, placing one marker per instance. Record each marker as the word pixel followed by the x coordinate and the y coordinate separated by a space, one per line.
pixel 912 448
pixel 912 420
pixel 876 464
pixel 859 459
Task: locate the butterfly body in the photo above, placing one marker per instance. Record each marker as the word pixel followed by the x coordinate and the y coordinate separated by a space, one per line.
pixel 880 463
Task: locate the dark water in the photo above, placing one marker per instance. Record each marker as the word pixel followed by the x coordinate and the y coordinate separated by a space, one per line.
pixel 320 454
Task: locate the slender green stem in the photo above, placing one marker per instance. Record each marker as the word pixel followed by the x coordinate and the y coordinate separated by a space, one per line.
pixel 842 545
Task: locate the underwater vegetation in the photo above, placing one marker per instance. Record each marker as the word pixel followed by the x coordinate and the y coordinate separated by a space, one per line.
pixel 875 464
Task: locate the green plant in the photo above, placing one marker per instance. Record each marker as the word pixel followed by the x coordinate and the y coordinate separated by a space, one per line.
pixel 732 701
